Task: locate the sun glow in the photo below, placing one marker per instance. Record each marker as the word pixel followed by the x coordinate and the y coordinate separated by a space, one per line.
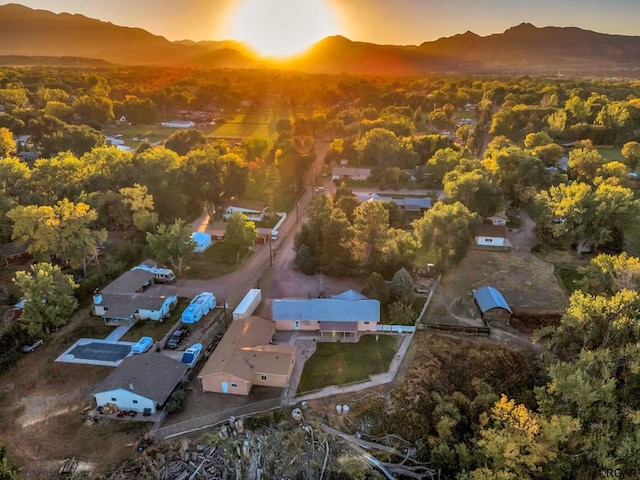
pixel 282 28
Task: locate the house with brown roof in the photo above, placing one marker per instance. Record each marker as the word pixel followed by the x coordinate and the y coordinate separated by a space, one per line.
pixel 245 357
pixel 142 383
pixel 134 296
pixel 492 236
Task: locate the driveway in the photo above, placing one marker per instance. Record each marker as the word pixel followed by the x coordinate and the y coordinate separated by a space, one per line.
pixel 524 238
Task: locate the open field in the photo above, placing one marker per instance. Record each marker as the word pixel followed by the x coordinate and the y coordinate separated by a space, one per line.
pixel 44 406
pixel 527 282
pixel 248 125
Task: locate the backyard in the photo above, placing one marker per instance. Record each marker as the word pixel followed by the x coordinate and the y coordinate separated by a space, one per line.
pixel 340 363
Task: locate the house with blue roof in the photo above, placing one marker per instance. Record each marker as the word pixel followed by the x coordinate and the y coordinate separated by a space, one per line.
pixel 347 314
pixel 492 305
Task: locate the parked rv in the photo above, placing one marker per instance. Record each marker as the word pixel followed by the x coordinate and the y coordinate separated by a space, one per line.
pixel 142 345
pixel 191 354
pixel 200 305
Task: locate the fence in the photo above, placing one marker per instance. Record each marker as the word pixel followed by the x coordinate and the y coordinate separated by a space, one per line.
pixel 201 423
pixel 470 330
pixel 396 328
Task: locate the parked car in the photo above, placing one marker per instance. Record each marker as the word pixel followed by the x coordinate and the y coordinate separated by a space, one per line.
pixel 31 347
pixel 142 345
pixel 319 189
pixel 177 337
pixel 274 235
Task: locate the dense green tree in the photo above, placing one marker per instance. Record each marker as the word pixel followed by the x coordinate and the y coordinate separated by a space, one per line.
pixel 608 274
pixel 213 180
pixel 474 190
pixel 402 285
pixel 14 178
pixel 7 143
pixel 378 147
pixel 376 287
pixel 183 141
pixel 48 298
pixel 443 162
pixel 631 153
pixel 445 232
pixel 173 244
pixel 60 177
pixel 519 174
pixel 399 250
pixel 401 313
pixel 304 260
pixel 371 227
pixel 73 138
pixel 587 216
pixel 585 163
pixel 240 233
pixel 65 230
pixel 93 109
pixel 338 256
pixel 140 204
pixel 517 443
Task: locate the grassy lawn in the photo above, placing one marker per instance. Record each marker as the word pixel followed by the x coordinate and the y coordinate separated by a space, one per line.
pixel 153 329
pixel 214 262
pixel 344 363
pixel 632 239
pixel 610 153
pixel 568 276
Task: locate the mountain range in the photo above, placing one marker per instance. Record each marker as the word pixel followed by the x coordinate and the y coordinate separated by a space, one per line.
pixel 40 37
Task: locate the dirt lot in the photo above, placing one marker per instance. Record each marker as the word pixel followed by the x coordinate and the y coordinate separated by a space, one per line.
pixel 44 406
pixel 526 281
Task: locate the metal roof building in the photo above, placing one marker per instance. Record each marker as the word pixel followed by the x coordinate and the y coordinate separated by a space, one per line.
pixel 492 304
pixel 326 310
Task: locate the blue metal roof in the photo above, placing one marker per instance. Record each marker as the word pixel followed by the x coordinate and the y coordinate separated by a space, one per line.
pixel 350 295
pixel 488 298
pixel 326 310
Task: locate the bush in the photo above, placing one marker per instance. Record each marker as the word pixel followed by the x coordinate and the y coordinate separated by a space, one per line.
pixel 176 401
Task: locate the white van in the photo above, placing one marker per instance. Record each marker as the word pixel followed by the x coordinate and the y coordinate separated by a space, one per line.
pixel 274 235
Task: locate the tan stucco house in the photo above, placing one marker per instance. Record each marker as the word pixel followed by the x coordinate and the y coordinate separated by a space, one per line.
pixel 245 357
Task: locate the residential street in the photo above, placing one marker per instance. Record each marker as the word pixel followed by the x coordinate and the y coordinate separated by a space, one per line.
pixel 277 280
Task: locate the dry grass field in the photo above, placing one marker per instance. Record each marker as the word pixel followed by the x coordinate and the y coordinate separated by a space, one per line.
pixel 526 281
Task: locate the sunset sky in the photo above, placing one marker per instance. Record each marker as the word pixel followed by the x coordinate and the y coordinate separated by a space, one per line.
pixel 379 21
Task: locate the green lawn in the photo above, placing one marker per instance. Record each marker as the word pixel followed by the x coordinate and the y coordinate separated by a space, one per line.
pixel 343 363
pixel 254 124
pixel 153 329
pixel 214 262
pixel 610 153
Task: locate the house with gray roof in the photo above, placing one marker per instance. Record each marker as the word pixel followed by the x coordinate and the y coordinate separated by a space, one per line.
pixel 344 314
pixel 493 306
pixel 134 296
pixel 141 382
pixel 408 204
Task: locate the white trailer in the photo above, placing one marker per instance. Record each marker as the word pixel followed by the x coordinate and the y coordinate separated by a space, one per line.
pixel 248 304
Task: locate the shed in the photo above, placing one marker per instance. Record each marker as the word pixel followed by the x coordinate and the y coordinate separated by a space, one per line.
pixel 203 241
pixel 492 305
